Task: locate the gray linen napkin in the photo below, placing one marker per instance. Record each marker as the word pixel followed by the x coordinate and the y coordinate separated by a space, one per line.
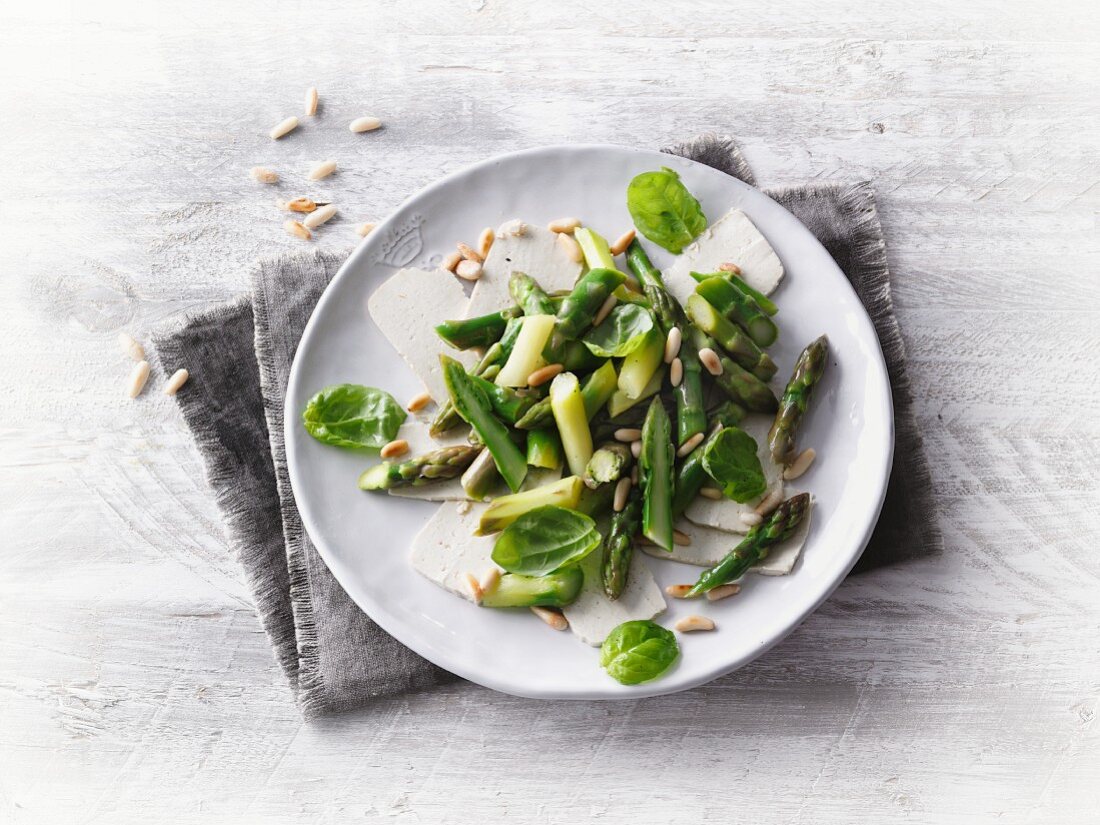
pixel 335 657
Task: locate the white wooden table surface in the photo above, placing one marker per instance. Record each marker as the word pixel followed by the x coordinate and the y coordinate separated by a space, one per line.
pixel 135 682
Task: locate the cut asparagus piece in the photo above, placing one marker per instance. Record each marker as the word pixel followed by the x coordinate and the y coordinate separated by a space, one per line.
pixel 482 331
pixel 493 359
pixel 762 300
pixel 531 297
pixel 655 477
pixel 640 365
pixel 735 342
pixel 620 402
pixel 597 253
pixel 481 476
pixel 619 545
pixel 596 389
pixel 739 384
pixel 796 398
pixel 506 509
pixel 474 407
pixel 728 414
pixel 579 308
pixel 448 462
pixel 607 464
pixel 691 477
pixel 556 589
pixel 505 402
pixel 740 309
pixel 569 414
pixel 544 448
pixel 526 354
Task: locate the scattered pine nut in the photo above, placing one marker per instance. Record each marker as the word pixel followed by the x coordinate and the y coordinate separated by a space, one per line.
pixel 723 591
pixel 627 434
pixel 364 124
pixel 262 175
pixel 678 591
pixel 544 374
pixel 801 464
pixel 319 216
pixel 676 372
pixel 364 229
pixel 680 538
pixel 713 493
pixel 636 448
pixel 622 242
pixel 516 228
pixel 485 241
pixel 322 170
pixel 419 402
pixel 311 101
pixel 566 225
pixel 468 270
pixel 673 343
pixel 299 205
pixel 622 490
pixel 491 580
pixel 283 128
pixel 297 230
pixel 178 379
pixel 770 502
pixel 634 474
pixel 469 253
pixel 398 446
pixel 643 541
pixel 571 247
pixel 690 444
pixel 711 361
pixel 451 261
pixel 475 588
pixel 689 624
pixel 728 267
pixel 605 310
pixel 551 617
pixel 751 519
pixel 138 376
pixel 131 347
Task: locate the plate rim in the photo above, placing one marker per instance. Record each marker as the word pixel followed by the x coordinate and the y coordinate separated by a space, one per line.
pixel 517 688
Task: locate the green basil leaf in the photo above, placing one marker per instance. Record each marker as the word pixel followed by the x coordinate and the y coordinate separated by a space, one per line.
pixel 731 459
pixel 353 416
pixel 621 332
pixel 638 651
pixel 544 540
pixel 664 210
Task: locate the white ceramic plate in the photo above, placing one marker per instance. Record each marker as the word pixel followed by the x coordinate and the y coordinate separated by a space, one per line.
pixel 365 538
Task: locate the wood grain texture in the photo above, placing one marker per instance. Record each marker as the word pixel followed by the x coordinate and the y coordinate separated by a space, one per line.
pixel 135 683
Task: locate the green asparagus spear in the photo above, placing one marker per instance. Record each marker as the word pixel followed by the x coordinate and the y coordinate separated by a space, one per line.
pixel 556 589
pixel 739 308
pixel 474 406
pixel 691 477
pixel 531 297
pixel 481 477
pixel 656 465
pixel 482 331
pixel 619 545
pixel 595 503
pixel 579 309
pixel 735 342
pixel 739 384
pixel 506 509
pixel 434 466
pixel 544 448
pixel 796 397
pixel 762 300
pixel 506 403
pixel 607 464
pixel 780 525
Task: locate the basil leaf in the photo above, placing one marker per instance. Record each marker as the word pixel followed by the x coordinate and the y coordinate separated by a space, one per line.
pixel 544 540
pixel 621 332
pixel 353 416
pixel 731 459
pixel 664 210
pixel 638 651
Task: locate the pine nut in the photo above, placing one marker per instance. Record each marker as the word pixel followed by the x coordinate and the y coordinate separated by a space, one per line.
pixel 364 124
pixel 551 617
pixel 297 230
pixel 770 502
pixel 451 261
pixel 320 215
pixel 672 344
pixel 485 242
pixel 728 267
pixel 283 128
pixel 636 449
pixel 398 446
pixel 178 379
pixel 469 253
pixel 713 493
pixel 571 247
pixel 299 205
pixel 711 361
pixel 131 347
pixel 676 372
pixel 622 490
pixel 566 225
pixel 678 591
pixel 262 175
pixel 634 474
pixel 723 591
pixel 364 229
pixel 680 538
pixel 544 374
pixel 605 310
pixel 138 376
pixel 311 101
pixel 475 588
pixel 689 624
pixel 419 402
pixel 751 519
pixel 468 270
pixel 322 170
pixel 642 541
pixel 516 228
pixel 627 434
pixel 801 464
pixel 622 242
pixel 690 444
pixel 491 580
